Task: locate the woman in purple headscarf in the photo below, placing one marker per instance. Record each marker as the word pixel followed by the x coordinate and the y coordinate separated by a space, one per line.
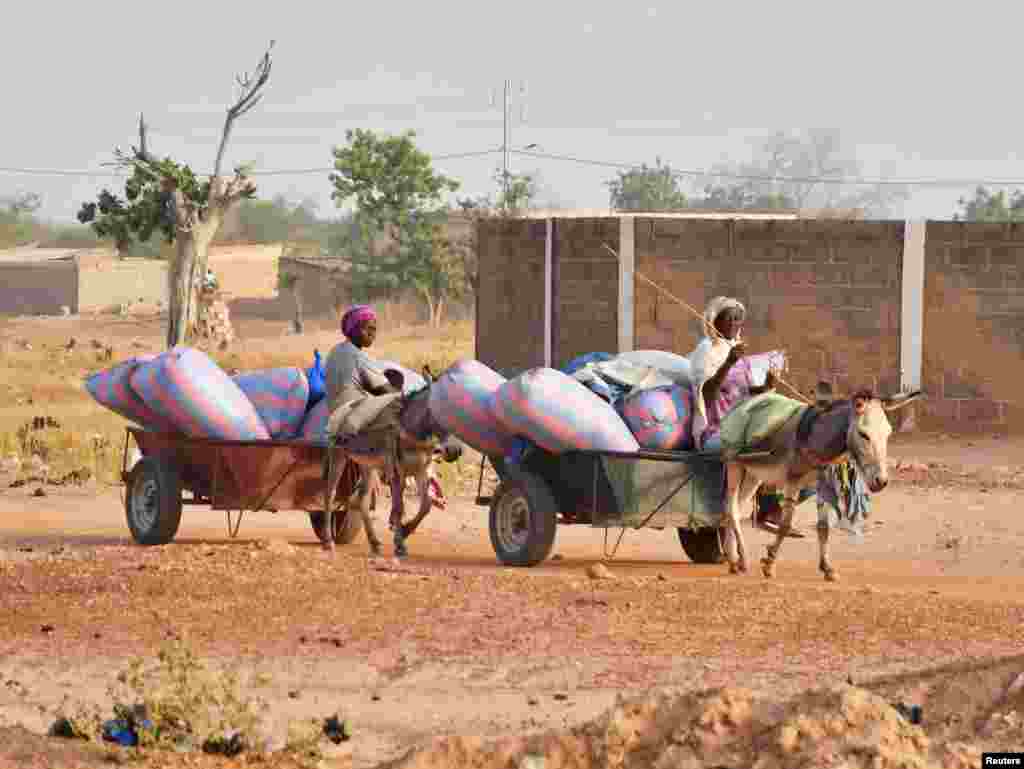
pixel 350 373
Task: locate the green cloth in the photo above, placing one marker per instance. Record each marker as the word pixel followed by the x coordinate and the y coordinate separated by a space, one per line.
pixel 754 420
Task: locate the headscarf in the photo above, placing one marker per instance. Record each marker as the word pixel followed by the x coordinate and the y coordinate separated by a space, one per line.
pixel 707 358
pixel 355 317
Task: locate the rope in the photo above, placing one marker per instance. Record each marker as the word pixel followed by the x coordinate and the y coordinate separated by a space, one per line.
pixel 700 316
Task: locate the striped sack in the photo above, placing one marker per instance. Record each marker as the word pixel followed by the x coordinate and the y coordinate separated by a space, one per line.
pixel 280 396
pixel 185 386
pixel 660 418
pixel 461 400
pixel 559 414
pixel 314 426
pixel 111 389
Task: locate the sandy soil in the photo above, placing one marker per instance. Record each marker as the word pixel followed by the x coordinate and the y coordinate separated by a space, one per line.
pixel 451 643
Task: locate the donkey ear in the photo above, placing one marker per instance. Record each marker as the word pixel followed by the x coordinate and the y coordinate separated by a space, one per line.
pixel 427 373
pixel 894 402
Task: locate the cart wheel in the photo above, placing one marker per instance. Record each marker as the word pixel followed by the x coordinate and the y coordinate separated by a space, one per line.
pixel 152 500
pixel 701 545
pixel 523 518
pixel 347 525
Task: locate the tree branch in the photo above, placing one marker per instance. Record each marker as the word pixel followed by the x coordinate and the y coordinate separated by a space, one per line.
pixel 250 85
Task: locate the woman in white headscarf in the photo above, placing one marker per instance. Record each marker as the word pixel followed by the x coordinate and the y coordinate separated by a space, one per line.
pixel 721 348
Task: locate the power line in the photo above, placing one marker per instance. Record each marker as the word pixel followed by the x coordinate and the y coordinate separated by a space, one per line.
pixel 680 173
pixel 793 179
pixel 274 172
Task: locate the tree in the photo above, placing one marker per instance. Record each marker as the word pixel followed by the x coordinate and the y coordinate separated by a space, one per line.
pixel 167 197
pixel 397 191
pixel 646 189
pixel 290 282
pixel 988 206
pixel 791 170
pixel 522 189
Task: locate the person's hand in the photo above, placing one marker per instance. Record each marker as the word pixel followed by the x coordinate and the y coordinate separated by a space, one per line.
pixel 770 380
pixel 737 351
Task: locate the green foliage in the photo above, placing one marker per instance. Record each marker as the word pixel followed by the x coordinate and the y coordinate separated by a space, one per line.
pixel 389 177
pixel 739 196
pixel 986 206
pixel 646 189
pixel 398 193
pixel 522 189
pixel 147 208
pixel 186 705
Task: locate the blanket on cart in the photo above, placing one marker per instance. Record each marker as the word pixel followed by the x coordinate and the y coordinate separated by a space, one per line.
pixel 754 420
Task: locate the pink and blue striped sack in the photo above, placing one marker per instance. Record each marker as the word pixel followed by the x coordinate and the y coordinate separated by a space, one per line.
pixel 559 414
pixel 462 402
pixel 187 388
pixel 314 426
pixel 660 418
pixel 280 396
pixel 112 390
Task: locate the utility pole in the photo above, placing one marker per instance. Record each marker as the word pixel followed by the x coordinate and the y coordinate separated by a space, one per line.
pixel 506 134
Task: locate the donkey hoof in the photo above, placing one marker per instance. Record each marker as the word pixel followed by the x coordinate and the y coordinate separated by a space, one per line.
pixel 768 567
pixel 737 567
pixel 830 575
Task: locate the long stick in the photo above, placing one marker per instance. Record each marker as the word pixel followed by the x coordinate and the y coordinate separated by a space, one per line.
pixel 698 315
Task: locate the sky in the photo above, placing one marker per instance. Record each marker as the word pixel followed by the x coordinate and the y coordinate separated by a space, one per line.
pixel 916 91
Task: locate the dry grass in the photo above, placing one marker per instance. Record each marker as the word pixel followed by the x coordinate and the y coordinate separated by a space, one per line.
pixel 40 378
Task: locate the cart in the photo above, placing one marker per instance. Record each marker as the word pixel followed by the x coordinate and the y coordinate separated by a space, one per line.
pixel 603 489
pixel 234 476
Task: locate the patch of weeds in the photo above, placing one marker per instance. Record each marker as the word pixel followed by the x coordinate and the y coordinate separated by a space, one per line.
pixel 176 703
pixel 304 741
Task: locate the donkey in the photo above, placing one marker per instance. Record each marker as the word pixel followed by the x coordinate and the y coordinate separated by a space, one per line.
pixel 809 440
pixel 420 438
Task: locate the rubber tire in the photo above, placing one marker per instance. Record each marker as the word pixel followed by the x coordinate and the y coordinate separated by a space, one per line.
pixel 543 518
pixel 168 495
pixel 701 545
pixel 347 527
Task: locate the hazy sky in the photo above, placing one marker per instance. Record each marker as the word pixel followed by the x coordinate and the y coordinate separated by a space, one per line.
pixel 919 91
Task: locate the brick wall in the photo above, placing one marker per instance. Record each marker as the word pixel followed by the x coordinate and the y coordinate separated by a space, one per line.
pixel 510 297
pixel 973 323
pixel 585 299
pixel 106 283
pixel 826 291
pixel 41 288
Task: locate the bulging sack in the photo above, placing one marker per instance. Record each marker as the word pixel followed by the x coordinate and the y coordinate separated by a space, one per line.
pixel 559 414
pixel 280 396
pixel 462 402
pixel 660 418
pixel 314 426
pixel 674 367
pixel 112 389
pixel 188 389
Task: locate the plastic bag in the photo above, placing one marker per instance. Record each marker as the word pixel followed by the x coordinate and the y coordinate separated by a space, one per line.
pixel 316 376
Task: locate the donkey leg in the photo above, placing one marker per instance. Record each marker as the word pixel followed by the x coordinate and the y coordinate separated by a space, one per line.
pixel 423 494
pixel 790 492
pixel 824 561
pixel 734 554
pixel 398 512
pixel 362 499
pixel 748 486
pixel 327 532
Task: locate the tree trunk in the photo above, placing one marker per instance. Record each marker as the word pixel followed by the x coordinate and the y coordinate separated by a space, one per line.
pixel 297 297
pixel 185 275
pixel 435 321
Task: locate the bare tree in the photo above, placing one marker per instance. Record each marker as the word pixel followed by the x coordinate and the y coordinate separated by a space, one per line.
pixel 161 194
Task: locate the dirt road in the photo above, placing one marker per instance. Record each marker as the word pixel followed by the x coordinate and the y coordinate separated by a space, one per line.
pixel 450 643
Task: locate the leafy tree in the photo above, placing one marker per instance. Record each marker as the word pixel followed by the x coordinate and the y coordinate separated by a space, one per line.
pixel 167 198
pixel 986 206
pixel 788 170
pixel 646 189
pixel 522 189
pixel 397 192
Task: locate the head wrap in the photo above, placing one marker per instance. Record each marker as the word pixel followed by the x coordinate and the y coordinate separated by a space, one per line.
pixel 355 317
pixel 715 308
